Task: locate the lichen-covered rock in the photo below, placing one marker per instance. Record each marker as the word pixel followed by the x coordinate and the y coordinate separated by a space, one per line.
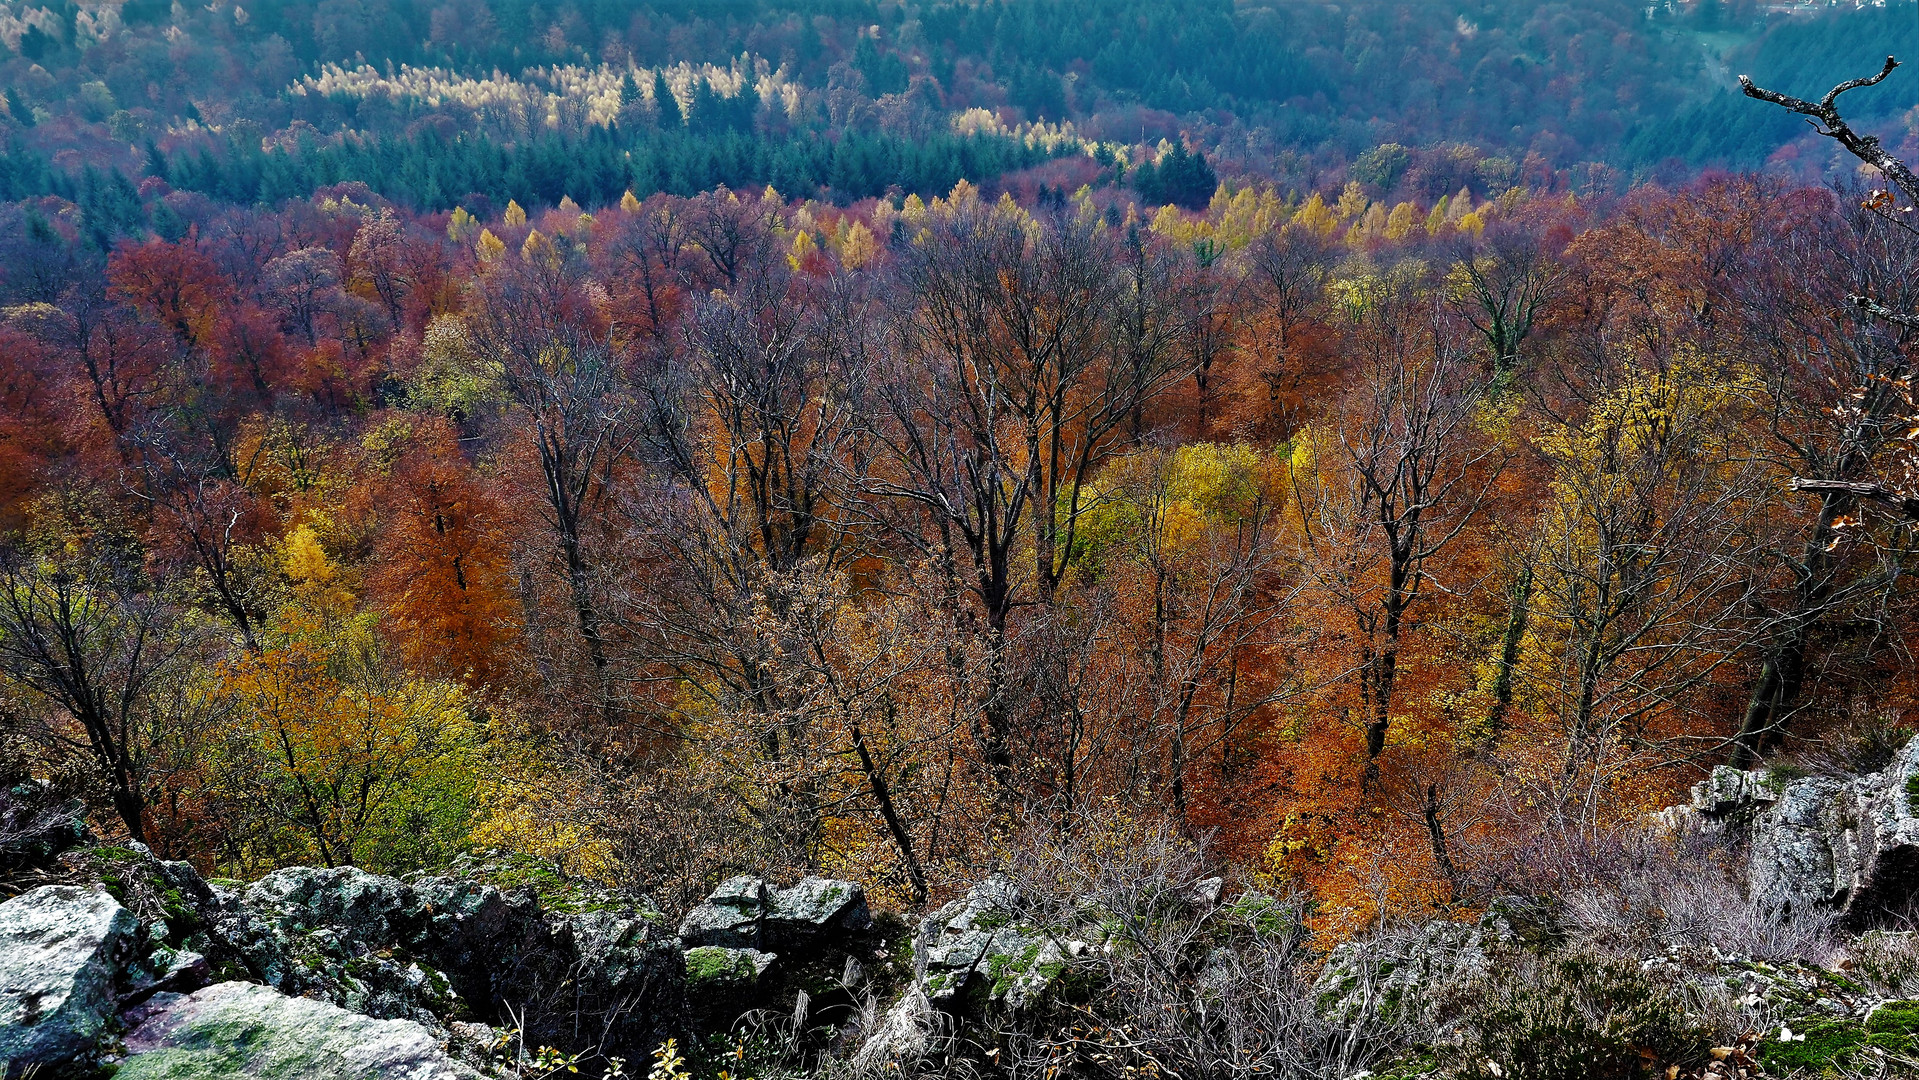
pixel 1889 831
pixel 747 913
pixel 621 969
pixel 710 966
pixel 60 951
pixel 353 938
pixel 1388 970
pixel 731 917
pixel 1849 843
pixel 976 955
pixel 235 1029
pixel 815 908
pixel 722 984
pixel 1805 845
pixel 440 949
pixel 980 941
pixel 1727 790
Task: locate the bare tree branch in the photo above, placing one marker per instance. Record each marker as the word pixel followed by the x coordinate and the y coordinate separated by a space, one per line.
pixel 1829 123
pixel 1879 493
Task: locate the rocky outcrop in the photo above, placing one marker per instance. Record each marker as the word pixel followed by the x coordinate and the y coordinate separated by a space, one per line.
pixel 751 945
pixel 1392 972
pixel 748 913
pixel 236 1029
pixel 979 954
pixel 398 970
pixel 444 949
pixel 61 951
pixel 979 944
pixel 352 938
pixel 1847 843
pixel 816 909
pixel 730 917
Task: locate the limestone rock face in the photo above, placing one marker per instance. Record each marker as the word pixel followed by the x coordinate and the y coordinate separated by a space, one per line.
pixel 235 1029
pixel 60 951
pixel 1849 843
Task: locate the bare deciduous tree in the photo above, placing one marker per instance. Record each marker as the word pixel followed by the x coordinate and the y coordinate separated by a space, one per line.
pixel 1398 480
pixel 1005 391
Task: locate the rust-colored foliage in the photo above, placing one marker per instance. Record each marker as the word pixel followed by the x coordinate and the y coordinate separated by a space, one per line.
pixel 441 570
pixel 1373 541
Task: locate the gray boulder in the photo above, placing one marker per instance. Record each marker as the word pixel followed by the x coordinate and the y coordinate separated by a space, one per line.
pixel 980 940
pixel 816 908
pixel 729 918
pixel 1846 843
pixel 235 1029
pixel 60 951
pixel 746 913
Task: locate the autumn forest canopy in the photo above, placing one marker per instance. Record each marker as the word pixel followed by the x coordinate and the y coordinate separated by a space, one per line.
pixel 1397 445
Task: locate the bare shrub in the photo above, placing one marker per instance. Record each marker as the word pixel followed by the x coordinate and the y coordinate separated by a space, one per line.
pixel 1647 888
pixel 36 823
pixel 1887 956
pixel 1185 985
pixel 1866 740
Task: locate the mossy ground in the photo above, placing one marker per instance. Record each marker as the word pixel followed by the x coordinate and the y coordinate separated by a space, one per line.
pixel 1833 1046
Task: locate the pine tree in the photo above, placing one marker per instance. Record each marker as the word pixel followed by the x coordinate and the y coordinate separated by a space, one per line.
pixel 665 105
pixel 704 116
pixel 16 107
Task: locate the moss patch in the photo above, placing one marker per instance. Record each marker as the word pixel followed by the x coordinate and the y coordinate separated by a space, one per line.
pixel 710 963
pixel 1822 1045
pixel 1894 1027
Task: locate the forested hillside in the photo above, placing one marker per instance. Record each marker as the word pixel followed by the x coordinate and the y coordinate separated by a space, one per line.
pixel 475 102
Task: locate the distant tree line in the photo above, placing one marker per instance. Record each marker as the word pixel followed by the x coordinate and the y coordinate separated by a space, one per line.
pixel 427 171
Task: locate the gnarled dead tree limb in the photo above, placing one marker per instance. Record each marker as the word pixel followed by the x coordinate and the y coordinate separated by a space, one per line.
pixel 1824 116
pixel 1878 493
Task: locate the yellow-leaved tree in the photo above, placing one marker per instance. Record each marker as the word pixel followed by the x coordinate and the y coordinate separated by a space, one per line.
pixel 1643 586
pixel 331 755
